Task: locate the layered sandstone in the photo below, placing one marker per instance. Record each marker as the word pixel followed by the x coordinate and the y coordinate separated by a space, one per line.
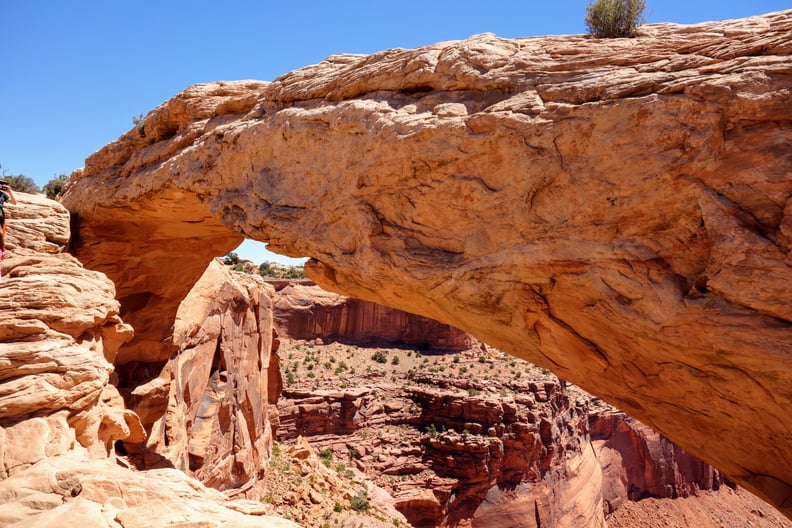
pixel 451 454
pixel 62 416
pixel 479 439
pixel 307 312
pixel 60 331
pixel 639 463
pixel 617 210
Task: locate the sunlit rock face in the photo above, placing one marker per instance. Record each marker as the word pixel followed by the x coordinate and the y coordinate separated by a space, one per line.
pixel 207 413
pixel 60 331
pixel 616 210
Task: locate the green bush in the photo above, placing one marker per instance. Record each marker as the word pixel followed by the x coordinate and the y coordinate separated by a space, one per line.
pixel 379 356
pixel 22 183
pixel 265 269
pixel 614 18
pixel 360 502
pixel 54 187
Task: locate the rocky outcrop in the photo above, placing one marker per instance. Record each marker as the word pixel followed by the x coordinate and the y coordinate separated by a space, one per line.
pixel 491 452
pixel 62 415
pixel 70 491
pixel 450 453
pixel 617 210
pixel 60 331
pixel 207 412
pixel 307 312
pixel 639 463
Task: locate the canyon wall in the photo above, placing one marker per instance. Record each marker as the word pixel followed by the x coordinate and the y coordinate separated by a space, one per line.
pixel 493 453
pixel 448 457
pixel 617 210
pixel 639 463
pixel 305 311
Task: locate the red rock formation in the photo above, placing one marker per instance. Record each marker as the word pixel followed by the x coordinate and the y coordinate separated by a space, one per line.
pixel 618 210
pixel 305 311
pixel 208 411
pixel 640 463
pixel 60 331
pixel 461 458
pixel 61 414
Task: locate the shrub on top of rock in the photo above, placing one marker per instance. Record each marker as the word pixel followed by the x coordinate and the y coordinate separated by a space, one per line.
pixel 614 18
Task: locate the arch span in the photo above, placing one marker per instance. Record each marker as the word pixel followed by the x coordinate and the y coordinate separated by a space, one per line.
pixel 619 211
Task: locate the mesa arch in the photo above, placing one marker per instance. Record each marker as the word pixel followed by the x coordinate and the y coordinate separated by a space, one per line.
pixel 619 211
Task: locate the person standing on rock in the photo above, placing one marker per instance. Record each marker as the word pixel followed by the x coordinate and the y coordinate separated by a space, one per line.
pixel 6 195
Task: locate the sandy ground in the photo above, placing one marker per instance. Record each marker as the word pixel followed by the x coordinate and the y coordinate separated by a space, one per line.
pixel 725 508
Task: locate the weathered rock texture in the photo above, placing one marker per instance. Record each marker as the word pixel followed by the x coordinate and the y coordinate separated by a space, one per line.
pixel 450 457
pixel 617 210
pixel 207 412
pixel 639 463
pixel 305 311
pixel 59 333
pixel 70 491
pixel 61 413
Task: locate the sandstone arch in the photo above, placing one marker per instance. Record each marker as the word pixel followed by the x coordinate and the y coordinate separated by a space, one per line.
pixel 619 211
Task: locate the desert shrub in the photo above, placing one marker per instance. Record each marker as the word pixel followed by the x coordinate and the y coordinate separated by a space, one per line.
pixel 395 360
pixel 296 273
pixel 360 502
pixel 54 187
pixel 614 18
pixel 379 356
pixel 265 269
pixel 22 183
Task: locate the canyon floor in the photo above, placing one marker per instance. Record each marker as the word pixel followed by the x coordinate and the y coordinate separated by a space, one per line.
pixel 327 472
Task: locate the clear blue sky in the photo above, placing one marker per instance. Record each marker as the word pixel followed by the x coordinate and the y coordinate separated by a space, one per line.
pixel 75 72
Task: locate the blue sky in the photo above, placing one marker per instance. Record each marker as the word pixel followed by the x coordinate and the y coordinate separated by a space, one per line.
pixel 74 73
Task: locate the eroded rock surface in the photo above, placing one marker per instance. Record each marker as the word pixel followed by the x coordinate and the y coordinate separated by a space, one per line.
pixel 481 439
pixel 208 410
pixel 61 413
pixel 60 331
pixel 617 210
pixel 449 457
pixel 71 491
pixel 639 463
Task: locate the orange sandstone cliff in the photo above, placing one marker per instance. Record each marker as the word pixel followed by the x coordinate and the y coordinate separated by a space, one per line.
pixel 619 211
pixel 63 417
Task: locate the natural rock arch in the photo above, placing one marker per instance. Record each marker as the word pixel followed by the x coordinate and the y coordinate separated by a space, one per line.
pixel 617 210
